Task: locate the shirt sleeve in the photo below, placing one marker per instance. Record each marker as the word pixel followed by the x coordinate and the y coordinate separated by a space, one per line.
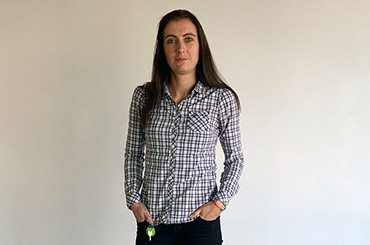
pixel 230 139
pixel 134 152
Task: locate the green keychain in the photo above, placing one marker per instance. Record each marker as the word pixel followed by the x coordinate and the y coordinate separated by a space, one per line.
pixel 150 231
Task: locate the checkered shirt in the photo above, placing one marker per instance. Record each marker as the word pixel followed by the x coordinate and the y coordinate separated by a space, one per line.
pixel 170 164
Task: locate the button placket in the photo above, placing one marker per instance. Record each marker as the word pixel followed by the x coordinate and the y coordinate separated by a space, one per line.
pixel 174 134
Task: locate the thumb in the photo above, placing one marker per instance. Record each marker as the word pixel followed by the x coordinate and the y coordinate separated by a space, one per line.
pixel 195 213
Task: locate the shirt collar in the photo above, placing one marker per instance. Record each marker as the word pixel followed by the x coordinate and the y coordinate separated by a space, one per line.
pixel 165 89
pixel 199 87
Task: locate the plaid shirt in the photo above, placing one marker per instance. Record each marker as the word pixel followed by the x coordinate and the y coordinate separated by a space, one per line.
pixel 179 143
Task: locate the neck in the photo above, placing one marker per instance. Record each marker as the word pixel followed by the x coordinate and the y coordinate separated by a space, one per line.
pixel 181 86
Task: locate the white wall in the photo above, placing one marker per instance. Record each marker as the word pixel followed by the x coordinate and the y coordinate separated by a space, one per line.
pixel 302 71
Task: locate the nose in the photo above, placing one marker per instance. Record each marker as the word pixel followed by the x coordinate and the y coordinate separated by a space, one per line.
pixel 181 48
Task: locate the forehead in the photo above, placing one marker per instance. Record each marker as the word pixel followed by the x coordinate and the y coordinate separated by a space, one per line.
pixel 180 27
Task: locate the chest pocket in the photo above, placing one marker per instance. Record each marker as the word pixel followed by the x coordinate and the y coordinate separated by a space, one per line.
pixel 198 121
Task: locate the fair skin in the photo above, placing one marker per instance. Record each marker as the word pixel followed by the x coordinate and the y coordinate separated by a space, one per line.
pixel 181 48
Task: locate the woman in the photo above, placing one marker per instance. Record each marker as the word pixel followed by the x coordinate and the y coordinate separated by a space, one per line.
pixel 177 118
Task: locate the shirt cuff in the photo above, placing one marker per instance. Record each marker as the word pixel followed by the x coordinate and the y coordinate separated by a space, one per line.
pixel 222 198
pixel 132 200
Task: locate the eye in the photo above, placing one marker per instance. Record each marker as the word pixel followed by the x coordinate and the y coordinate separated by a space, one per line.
pixel 171 41
pixel 188 39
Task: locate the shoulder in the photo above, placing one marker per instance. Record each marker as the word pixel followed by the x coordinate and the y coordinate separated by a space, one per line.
pixel 225 95
pixel 227 102
pixel 140 91
pixel 139 95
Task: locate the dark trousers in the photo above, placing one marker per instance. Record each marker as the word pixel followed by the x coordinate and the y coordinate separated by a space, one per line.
pixel 193 233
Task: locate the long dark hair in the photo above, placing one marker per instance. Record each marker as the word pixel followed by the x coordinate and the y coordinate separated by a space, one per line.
pixel 206 73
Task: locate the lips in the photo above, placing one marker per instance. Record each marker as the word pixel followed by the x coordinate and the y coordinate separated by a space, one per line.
pixel 181 59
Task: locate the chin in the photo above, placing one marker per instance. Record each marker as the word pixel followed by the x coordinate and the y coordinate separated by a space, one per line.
pixel 184 70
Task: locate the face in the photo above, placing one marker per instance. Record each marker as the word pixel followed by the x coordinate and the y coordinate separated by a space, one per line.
pixel 181 46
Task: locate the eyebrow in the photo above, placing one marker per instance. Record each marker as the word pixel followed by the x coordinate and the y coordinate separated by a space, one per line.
pixel 186 34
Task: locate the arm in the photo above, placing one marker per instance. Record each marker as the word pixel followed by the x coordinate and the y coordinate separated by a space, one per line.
pixel 134 159
pixel 134 153
pixel 230 140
